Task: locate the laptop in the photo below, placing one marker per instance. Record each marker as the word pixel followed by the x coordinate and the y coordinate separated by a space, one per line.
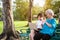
pixel 32 26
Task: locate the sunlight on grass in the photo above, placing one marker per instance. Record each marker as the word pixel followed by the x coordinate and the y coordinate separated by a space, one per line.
pixel 20 23
pixel 1 26
pixel 17 25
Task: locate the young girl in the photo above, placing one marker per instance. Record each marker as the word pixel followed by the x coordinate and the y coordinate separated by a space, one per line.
pixel 39 24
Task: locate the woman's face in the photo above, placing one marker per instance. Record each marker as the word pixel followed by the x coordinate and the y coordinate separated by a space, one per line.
pixel 48 15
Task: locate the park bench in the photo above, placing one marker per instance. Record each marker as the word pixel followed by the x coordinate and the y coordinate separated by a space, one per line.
pixel 25 36
pixel 56 36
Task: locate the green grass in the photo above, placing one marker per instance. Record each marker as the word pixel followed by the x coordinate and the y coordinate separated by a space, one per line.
pixel 17 25
pixel 20 23
pixel 1 26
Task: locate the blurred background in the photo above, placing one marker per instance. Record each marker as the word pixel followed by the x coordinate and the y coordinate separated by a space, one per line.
pixel 23 8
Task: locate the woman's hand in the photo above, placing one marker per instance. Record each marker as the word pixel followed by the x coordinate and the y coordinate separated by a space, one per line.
pixel 48 24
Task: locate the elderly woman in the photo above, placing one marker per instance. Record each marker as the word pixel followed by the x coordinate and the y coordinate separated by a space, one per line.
pixel 48 27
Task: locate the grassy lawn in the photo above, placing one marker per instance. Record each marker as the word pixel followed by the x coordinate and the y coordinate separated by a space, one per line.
pixel 17 24
pixel 1 26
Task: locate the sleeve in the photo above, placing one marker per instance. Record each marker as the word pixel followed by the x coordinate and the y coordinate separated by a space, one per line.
pixel 39 24
pixel 53 23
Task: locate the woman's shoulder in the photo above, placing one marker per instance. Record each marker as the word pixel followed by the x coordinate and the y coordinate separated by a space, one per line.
pixel 53 20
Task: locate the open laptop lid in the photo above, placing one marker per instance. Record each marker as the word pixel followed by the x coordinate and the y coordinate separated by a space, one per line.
pixel 32 26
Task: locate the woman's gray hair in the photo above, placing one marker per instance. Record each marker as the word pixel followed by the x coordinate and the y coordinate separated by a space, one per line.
pixel 49 11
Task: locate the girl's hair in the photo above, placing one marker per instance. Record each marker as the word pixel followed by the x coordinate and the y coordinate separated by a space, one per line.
pixel 40 15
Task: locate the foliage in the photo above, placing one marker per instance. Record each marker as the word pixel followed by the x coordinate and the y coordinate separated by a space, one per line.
pixel 48 4
pixel 56 7
pixel 36 10
pixel 21 10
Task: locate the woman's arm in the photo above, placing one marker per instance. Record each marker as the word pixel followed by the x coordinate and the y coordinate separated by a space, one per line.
pixel 53 24
pixel 48 24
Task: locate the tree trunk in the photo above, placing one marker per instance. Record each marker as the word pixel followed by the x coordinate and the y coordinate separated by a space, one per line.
pixel 30 11
pixel 8 28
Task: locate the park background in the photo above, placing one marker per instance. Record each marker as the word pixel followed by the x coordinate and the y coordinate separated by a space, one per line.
pixel 23 8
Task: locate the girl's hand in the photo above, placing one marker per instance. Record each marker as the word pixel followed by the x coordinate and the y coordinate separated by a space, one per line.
pixel 38 29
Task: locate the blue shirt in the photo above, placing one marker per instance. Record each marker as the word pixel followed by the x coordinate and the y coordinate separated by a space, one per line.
pixel 49 30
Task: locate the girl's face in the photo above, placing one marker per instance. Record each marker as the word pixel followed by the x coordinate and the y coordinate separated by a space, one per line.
pixel 40 18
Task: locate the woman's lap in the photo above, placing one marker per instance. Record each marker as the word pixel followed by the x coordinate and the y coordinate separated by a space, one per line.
pixel 39 36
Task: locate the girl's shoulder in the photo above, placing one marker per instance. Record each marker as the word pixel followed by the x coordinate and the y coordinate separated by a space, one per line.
pixel 38 21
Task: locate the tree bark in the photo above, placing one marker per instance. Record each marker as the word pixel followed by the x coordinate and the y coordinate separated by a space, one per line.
pixel 9 32
pixel 30 11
